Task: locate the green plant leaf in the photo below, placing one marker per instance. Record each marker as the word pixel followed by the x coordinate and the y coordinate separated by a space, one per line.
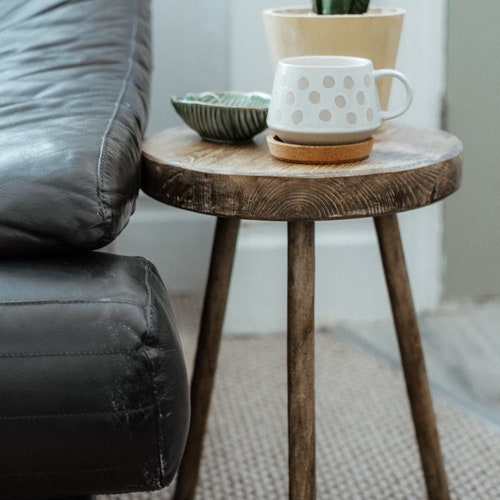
pixel 359 6
pixel 318 6
pixel 336 6
pixel 340 6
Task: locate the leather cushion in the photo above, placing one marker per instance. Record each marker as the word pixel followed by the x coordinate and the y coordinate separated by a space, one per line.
pixel 93 393
pixel 74 86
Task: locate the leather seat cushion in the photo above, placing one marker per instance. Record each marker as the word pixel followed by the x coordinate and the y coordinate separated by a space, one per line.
pixel 93 391
pixel 74 89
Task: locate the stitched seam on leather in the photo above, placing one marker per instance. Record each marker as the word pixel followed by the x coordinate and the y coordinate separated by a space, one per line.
pixel 78 415
pixel 157 414
pixel 75 353
pixel 43 473
pixel 75 301
pixel 149 306
pixel 75 471
pixel 104 143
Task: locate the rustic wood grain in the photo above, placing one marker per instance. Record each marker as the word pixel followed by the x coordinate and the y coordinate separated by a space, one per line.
pixel 300 361
pixel 412 356
pixel 408 168
pixel 207 352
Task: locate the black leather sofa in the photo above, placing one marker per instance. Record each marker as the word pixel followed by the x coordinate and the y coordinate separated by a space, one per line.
pixel 93 386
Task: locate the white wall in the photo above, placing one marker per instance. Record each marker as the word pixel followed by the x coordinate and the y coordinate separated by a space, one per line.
pixel 190 50
pixel 221 45
pixel 190 44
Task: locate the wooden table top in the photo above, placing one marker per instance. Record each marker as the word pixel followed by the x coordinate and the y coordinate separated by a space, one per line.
pixel 409 167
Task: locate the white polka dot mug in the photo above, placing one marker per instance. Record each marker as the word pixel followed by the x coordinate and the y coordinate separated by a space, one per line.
pixel 329 100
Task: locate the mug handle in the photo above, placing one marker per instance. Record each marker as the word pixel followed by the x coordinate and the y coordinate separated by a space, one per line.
pixel 380 73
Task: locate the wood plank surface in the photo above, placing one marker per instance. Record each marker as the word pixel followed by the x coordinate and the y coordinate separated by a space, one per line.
pixel 409 167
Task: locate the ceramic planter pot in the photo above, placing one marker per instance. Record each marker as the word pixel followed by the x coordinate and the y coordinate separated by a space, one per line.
pixel 374 35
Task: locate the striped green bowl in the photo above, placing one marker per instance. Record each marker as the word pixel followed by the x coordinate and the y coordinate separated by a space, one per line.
pixel 224 116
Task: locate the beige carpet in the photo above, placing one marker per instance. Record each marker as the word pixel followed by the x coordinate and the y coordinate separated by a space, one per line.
pixel 365 445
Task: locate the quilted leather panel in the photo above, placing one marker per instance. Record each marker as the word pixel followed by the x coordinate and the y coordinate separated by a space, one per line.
pixel 94 389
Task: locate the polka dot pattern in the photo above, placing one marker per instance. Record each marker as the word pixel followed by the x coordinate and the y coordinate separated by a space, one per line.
pixel 325 115
pixel 348 82
pixel 340 101
pixel 314 97
pixel 328 82
pixel 297 117
pixel 303 83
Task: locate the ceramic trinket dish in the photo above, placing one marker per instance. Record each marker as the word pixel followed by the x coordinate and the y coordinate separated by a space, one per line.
pixel 227 117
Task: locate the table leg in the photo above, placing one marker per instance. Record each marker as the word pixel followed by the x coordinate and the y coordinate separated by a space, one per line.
pixel 300 358
pixel 405 321
pixel 212 318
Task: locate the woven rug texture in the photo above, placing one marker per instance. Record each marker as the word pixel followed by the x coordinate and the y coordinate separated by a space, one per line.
pixel 365 440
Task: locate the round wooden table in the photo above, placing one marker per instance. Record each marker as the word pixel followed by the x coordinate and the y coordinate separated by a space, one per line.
pixel 408 168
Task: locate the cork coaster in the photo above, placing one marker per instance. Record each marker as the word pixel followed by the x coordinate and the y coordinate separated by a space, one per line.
pixel 339 153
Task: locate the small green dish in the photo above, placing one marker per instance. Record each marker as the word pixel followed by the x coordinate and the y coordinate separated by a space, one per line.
pixel 226 117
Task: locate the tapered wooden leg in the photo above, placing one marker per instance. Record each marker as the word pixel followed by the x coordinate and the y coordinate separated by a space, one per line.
pixel 212 318
pixel 300 355
pixel 405 321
